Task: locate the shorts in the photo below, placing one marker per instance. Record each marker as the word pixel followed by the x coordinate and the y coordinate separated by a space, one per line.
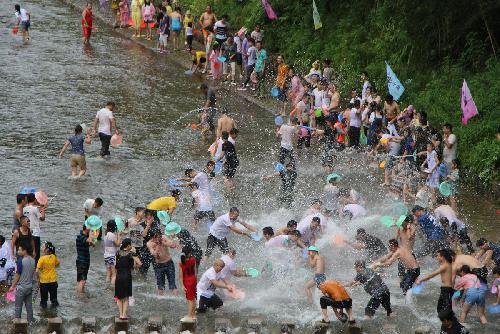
pixel 229 170
pixel 149 21
pixel 319 278
pixel 408 279
pixel 203 60
pixel 199 215
pixel 282 95
pixel 78 160
pixel 190 289
pixel 25 25
pixel 239 59
pixel 81 272
pixel 110 261
pixel 475 296
pixel 326 301
pixel 389 162
pixel 163 39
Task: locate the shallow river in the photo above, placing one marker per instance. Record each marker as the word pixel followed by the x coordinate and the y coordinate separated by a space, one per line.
pixel 53 83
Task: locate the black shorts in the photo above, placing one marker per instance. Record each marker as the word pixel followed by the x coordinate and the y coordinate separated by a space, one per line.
pixel 239 59
pixel 229 170
pixel 326 301
pixel 81 272
pixel 203 60
pixel 282 95
pixel 199 215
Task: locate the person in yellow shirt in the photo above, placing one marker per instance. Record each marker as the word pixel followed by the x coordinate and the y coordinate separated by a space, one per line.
pixel 336 296
pixel 199 58
pixel 46 269
pixel 188 18
pixel 167 203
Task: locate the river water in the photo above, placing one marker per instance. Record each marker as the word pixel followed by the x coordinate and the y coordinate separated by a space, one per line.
pixel 53 83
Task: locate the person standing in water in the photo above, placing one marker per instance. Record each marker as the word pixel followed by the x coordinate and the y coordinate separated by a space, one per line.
pixel 107 122
pixel 288 178
pixel 93 207
pixel 445 259
pixel 77 151
pixel 23 282
pixel 21 202
pixel 408 268
pixel 126 260
pixel 317 262
pixel 83 242
pixel 188 271
pixel 87 23
pixel 163 264
pixel 36 214
pixel 231 162
pixel 23 18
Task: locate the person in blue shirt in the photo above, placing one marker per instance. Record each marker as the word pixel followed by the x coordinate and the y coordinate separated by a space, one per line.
pixel 77 151
pixel 433 231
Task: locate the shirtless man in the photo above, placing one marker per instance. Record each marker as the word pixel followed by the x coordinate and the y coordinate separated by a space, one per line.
pixel 408 269
pixel 21 203
pixel 290 227
pixel 406 233
pixel 163 265
pixel 391 108
pixel 445 259
pixel 207 20
pixel 474 264
pixel 225 123
pixel 317 262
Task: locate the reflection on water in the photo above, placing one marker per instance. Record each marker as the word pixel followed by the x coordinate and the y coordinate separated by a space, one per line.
pixel 54 83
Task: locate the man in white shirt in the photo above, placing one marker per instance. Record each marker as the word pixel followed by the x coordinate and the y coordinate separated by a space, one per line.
pixel 450 222
pixel 221 228
pixel 355 124
pixel 107 123
pixel 287 133
pixel 310 230
pixel 450 145
pixel 193 176
pixel 92 207
pixel 220 29
pixel 230 269
pixel 205 289
pixel 35 214
pixel 257 34
pixel 353 211
pixel 203 204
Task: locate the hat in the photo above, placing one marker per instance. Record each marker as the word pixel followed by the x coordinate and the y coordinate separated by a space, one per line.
pixel 313 249
pixel 172 228
pixel 163 217
pixel 188 12
pixel 315 63
pixel 417 208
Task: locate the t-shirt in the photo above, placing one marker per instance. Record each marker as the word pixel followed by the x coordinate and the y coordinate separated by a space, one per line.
pixel 257 35
pixel 281 77
pixel 77 144
pixel 252 54
pixel 328 74
pixel 47 265
pixel 33 214
pixel 447 212
pixel 450 153
pixel 197 57
pixel 355 119
pixel 334 290
pixel 230 154
pixel 220 228
pixel 229 265
pixel 201 179
pixel 6 253
pixel 26 271
pixel 82 250
pixel 261 56
pixel 394 148
pixel 307 234
pixel 189 31
pixel 372 281
pixel 203 199
pixel 287 133
pixel 278 241
pixel 301 107
pixel 22 15
pixel 88 206
pixel 110 248
pixel 135 233
pixel 105 116
pixel 319 96
pixel 355 209
pixel 374 247
pixel 238 42
pixel 430 227
pixel 164 24
pixel 163 203
pixel 366 84
pixel 220 29
pixel 205 287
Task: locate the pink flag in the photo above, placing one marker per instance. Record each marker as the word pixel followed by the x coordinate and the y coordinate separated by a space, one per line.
pixel 469 108
pixel 269 10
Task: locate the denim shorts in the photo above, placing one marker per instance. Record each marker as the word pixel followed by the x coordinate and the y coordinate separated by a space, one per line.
pixel 475 296
pixel 163 270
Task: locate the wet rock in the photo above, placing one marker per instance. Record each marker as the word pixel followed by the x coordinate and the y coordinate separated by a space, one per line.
pixel 54 325
pixel 20 326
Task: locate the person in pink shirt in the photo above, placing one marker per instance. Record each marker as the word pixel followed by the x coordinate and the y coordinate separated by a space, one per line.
pixel 474 293
pixel 148 13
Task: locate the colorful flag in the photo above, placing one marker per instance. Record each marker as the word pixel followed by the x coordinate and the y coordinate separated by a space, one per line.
pixel 269 10
pixel 316 18
pixel 469 108
pixel 396 89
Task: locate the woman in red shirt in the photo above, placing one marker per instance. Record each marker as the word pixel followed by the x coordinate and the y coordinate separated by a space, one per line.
pixel 187 275
pixel 87 23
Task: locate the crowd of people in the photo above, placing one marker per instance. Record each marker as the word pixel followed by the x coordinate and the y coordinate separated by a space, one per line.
pixel 416 158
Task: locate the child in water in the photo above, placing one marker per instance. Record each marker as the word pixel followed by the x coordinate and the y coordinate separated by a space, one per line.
pixel 187 281
pixel 46 269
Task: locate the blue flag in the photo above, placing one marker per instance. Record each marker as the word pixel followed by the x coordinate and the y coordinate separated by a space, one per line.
pixel 395 87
